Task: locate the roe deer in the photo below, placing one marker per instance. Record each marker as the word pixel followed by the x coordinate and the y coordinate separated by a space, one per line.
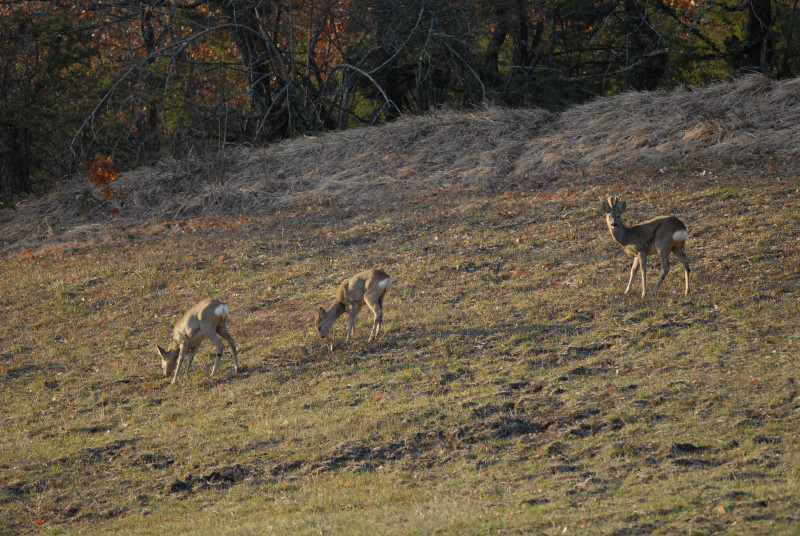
pixel 663 235
pixel 368 287
pixel 207 319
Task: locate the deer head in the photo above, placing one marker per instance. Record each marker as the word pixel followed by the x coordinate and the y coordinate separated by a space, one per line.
pixel 169 358
pixel 613 209
pixel 323 323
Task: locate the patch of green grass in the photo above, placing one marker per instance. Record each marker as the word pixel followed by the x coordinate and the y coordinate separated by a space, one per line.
pixel 515 388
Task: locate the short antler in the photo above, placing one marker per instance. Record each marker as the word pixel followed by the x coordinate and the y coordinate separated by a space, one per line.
pixel 612 204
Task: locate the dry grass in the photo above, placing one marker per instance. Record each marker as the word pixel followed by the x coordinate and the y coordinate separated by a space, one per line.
pixel 717 125
pixel 516 389
pixel 727 123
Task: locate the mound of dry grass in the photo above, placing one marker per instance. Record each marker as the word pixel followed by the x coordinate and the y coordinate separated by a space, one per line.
pixel 722 123
pixel 726 122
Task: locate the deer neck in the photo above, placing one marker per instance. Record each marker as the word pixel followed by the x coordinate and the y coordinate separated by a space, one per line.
pixel 336 310
pixel 622 234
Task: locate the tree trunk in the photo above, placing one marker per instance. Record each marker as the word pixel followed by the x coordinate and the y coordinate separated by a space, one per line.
pixel 645 71
pixel 759 48
pixel 254 48
pixel 15 164
pixel 150 124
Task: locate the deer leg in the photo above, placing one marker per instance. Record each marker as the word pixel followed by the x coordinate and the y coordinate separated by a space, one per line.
pixel 377 312
pixel 351 322
pixel 218 343
pixel 189 361
pixel 664 270
pixel 634 267
pixel 181 356
pixel 681 255
pixel 223 332
pixel 643 265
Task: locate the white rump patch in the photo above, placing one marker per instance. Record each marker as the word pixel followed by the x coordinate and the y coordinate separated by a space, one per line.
pixel 222 310
pixel 683 234
pixel 385 283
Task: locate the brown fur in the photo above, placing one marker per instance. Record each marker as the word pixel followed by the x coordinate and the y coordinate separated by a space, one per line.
pixel 198 323
pixel 368 287
pixel 653 236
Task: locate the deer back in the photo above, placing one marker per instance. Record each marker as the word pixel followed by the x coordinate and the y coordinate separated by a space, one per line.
pixel 206 316
pixel 353 290
pixel 666 233
pixel 657 234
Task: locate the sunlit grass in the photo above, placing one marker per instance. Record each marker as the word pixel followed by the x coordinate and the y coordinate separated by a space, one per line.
pixel 515 388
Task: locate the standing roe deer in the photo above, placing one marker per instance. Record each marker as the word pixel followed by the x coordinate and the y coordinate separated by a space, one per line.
pixel 207 319
pixel 663 235
pixel 368 287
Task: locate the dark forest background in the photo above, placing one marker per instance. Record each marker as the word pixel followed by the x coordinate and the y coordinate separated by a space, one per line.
pixel 103 85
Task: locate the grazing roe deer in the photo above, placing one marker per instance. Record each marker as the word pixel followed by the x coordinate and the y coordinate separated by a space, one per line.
pixel 662 235
pixel 368 287
pixel 206 320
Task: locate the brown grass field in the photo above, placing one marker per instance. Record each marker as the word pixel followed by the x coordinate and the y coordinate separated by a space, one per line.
pixel 515 390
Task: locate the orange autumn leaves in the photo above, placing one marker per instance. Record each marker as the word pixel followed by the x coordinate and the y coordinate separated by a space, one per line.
pixel 101 171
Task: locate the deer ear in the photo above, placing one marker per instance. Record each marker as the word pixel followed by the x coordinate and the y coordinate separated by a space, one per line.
pixel 320 313
pixel 604 206
pixel 622 206
pixel 161 352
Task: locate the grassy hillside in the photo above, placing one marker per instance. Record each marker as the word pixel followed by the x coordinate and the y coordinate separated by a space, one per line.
pixel 516 389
